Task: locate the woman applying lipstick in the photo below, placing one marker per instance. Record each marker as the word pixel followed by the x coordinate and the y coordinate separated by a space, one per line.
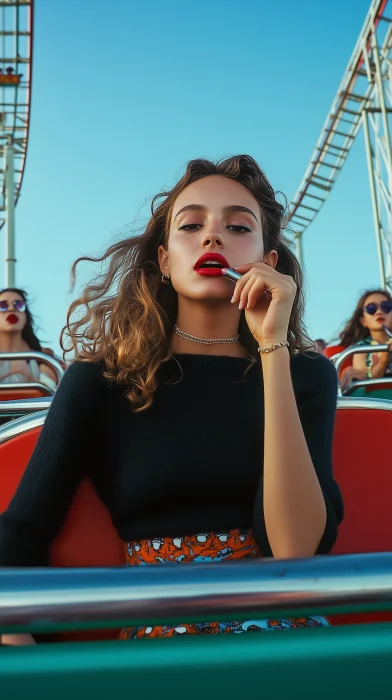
pixel 207 422
pixel 17 335
pixel 373 314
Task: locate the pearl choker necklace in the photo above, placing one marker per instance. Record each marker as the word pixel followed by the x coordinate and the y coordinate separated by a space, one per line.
pixel 205 341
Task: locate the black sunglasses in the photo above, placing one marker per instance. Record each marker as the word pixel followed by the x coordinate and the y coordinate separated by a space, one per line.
pixel 18 305
pixel 385 306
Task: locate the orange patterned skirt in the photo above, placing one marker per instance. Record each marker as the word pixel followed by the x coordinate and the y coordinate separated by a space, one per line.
pixel 205 547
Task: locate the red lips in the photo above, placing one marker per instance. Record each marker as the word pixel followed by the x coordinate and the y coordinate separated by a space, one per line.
pixel 212 270
pixel 12 318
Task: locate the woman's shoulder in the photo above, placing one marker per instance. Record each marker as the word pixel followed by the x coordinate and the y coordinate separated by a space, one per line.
pixel 83 374
pixel 311 369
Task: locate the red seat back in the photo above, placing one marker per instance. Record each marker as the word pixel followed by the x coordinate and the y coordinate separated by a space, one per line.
pixel 362 469
pixel 16 394
pixel 88 537
pixel 14 457
pixel 332 350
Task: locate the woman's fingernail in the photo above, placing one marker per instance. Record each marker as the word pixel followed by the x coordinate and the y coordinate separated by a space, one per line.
pixel 233 299
pixel 240 305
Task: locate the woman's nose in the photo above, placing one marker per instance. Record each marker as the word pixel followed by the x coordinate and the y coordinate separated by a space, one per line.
pixel 213 239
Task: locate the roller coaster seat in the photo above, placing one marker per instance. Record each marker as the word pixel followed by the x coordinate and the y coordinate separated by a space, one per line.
pixel 37 389
pixel 332 350
pixel 361 468
pixel 88 537
pixel 379 391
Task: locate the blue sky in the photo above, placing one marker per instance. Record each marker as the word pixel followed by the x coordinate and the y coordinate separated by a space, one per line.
pixel 125 93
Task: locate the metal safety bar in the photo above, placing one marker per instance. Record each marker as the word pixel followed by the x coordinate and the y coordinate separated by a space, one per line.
pixel 45 599
pixel 22 425
pixel 26 405
pixel 338 360
pixel 28 386
pixel 40 357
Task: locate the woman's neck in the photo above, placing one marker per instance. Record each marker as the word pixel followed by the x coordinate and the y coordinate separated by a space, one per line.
pixel 12 342
pixel 207 321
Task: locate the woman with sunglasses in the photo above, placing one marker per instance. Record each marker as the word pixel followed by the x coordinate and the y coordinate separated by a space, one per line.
pixel 367 325
pixel 204 421
pixel 17 335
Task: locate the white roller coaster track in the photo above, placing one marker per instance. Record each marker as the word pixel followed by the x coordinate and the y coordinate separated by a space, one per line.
pixel 364 98
pixel 16 47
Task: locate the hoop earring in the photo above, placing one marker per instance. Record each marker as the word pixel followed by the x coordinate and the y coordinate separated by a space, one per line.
pixel 166 278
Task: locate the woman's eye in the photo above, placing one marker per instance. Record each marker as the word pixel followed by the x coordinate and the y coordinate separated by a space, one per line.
pixel 189 227
pixel 232 227
pixel 239 229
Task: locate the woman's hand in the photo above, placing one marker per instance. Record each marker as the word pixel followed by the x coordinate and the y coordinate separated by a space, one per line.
pixel 267 297
pixel 350 374
pixel 382 358
pixel 17 640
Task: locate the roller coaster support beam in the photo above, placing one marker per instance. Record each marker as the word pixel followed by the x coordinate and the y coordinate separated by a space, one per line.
pixel 10 259
pixel 373 193
pixel 379 158
pixel 299 250
pixel 363 98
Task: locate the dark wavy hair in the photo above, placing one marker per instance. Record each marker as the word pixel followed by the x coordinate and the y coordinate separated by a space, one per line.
pixel 126 316
pixel 28 333
pixel 354 330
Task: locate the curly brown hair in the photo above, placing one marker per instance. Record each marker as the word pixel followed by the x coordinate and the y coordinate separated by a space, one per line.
pixel 128 315
pixel 354 330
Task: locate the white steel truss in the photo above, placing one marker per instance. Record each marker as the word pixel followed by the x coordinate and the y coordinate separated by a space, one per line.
pixel 16 43
pixel 364 98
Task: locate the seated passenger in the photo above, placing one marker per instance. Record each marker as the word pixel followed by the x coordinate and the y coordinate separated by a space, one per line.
pixel 17 335
pixel 366 327
pixel 207 419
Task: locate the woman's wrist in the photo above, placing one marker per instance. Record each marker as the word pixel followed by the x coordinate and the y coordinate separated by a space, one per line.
pixel 268 342
pixel 280 355
pixel 268 349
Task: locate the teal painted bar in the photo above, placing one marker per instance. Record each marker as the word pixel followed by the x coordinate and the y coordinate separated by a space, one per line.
pixel 39 627
pixel 308 664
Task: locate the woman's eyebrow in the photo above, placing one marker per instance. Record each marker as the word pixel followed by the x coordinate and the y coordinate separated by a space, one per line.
pixel 191 207
pixel 239 207
pixel 228 209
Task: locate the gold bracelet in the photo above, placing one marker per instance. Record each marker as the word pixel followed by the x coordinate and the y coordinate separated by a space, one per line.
pixel 275 346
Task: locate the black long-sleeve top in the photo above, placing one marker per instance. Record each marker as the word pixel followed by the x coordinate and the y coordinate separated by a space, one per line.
pixel 191 463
